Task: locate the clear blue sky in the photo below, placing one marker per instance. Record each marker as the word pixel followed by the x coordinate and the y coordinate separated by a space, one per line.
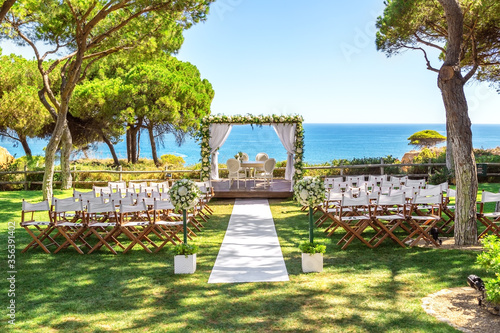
pixel 318 59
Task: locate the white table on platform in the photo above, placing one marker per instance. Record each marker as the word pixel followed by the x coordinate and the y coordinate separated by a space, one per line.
pixel 250 165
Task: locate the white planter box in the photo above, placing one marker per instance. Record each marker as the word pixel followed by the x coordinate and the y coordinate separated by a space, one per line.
pixel 312 262
pixel 185 265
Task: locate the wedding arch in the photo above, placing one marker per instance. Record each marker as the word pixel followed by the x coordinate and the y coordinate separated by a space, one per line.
pixel 215 130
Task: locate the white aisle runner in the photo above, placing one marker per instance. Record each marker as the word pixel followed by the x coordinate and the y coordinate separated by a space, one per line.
pixel 250 251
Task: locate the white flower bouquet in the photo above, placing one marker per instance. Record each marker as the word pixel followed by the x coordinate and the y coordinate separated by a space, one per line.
pixel 309 191
pixel 184 194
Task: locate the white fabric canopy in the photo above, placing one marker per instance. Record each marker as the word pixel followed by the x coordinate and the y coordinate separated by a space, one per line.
pixel 218 135
pixel 286 133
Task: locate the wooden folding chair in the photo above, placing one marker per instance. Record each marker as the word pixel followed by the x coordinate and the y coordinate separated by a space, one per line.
pixel 43 229
pixel 423 215
pixel 163 226
pixel 102 221
pixel 191 218
pixel 354 217
pixel 207 194
pixel 84 196
pixel 69 222
pixel 389 213
pixel 329 209
pixel 135 223
pixel 490 220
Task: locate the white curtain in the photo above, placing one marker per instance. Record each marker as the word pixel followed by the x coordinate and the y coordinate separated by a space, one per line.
pixel 218 135
pixel 286 133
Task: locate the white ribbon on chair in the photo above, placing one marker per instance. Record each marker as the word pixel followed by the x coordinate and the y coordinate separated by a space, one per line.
pixel 286 133
pixel 218 135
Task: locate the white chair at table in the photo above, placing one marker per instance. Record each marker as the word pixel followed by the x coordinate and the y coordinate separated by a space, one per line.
pixel 235 170
pixel 244 158
pixel 260 157
pixel 268 171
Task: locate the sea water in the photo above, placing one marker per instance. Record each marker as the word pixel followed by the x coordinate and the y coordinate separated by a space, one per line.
pixel 322 142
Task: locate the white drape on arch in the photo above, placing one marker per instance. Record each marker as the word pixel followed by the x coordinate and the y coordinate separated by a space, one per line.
pixel 218 135
pixel 286 133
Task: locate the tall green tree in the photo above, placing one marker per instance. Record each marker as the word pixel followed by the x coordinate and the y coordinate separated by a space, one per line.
pixel 22 116
pixel 160 95
pixel 86 31
pixel 426 138
pixel 6 4
pixel 466 34
pixel 168 96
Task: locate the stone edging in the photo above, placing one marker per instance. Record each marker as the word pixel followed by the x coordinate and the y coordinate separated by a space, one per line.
pixel 427 306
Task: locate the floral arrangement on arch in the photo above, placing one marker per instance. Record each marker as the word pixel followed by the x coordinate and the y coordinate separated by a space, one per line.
pixel 184 194
pixel 310 191
pixel 204 137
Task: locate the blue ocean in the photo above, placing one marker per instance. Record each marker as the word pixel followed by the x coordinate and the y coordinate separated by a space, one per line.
pixel 323 142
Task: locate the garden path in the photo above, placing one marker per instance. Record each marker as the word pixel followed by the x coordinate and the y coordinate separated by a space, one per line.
pixel 250 251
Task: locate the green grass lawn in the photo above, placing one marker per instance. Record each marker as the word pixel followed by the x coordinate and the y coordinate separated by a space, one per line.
pixel 360 289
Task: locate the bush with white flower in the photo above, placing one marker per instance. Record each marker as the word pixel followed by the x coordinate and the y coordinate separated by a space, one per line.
pixel 310 191
pixel 184 194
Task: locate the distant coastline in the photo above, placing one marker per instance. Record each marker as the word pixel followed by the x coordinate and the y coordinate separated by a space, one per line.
pixel 323 142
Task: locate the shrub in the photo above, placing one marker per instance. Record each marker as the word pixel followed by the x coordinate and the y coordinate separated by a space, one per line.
pixel 172 161
pixel 369 160
pixel 185 249
pixel 441 176
pixel 312 248
pixel 490 259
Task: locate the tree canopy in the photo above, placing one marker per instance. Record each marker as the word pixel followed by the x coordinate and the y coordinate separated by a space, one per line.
pixel 426 138
pixel 22 115
pixel 465 34
pixel 163 95
pixel 421 25
pixel 82 32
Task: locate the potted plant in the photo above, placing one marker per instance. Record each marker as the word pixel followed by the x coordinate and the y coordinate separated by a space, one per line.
pixel 184 195
pixel 239 155
pixel 185 258
pixel 312 257
pixel 310 192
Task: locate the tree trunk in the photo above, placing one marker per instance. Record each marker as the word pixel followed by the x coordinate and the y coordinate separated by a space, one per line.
pixel 450 165
pixel 133 144
pixel 451 83
pixel 26 147
pixel 138 143
pixel 460 134
pixel 153 145
pixel 111 148
pixel 129 146
pixel 50 155
pixel 66 148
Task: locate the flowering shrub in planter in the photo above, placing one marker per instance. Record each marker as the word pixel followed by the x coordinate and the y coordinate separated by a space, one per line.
pixel 184 195
pixel 311 192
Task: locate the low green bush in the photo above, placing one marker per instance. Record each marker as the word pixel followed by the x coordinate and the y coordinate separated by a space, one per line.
pixel 490 259
pixel 185 249
pixel 312 248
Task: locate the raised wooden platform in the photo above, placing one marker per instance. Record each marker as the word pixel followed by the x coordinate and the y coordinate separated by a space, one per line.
pixel 279 188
